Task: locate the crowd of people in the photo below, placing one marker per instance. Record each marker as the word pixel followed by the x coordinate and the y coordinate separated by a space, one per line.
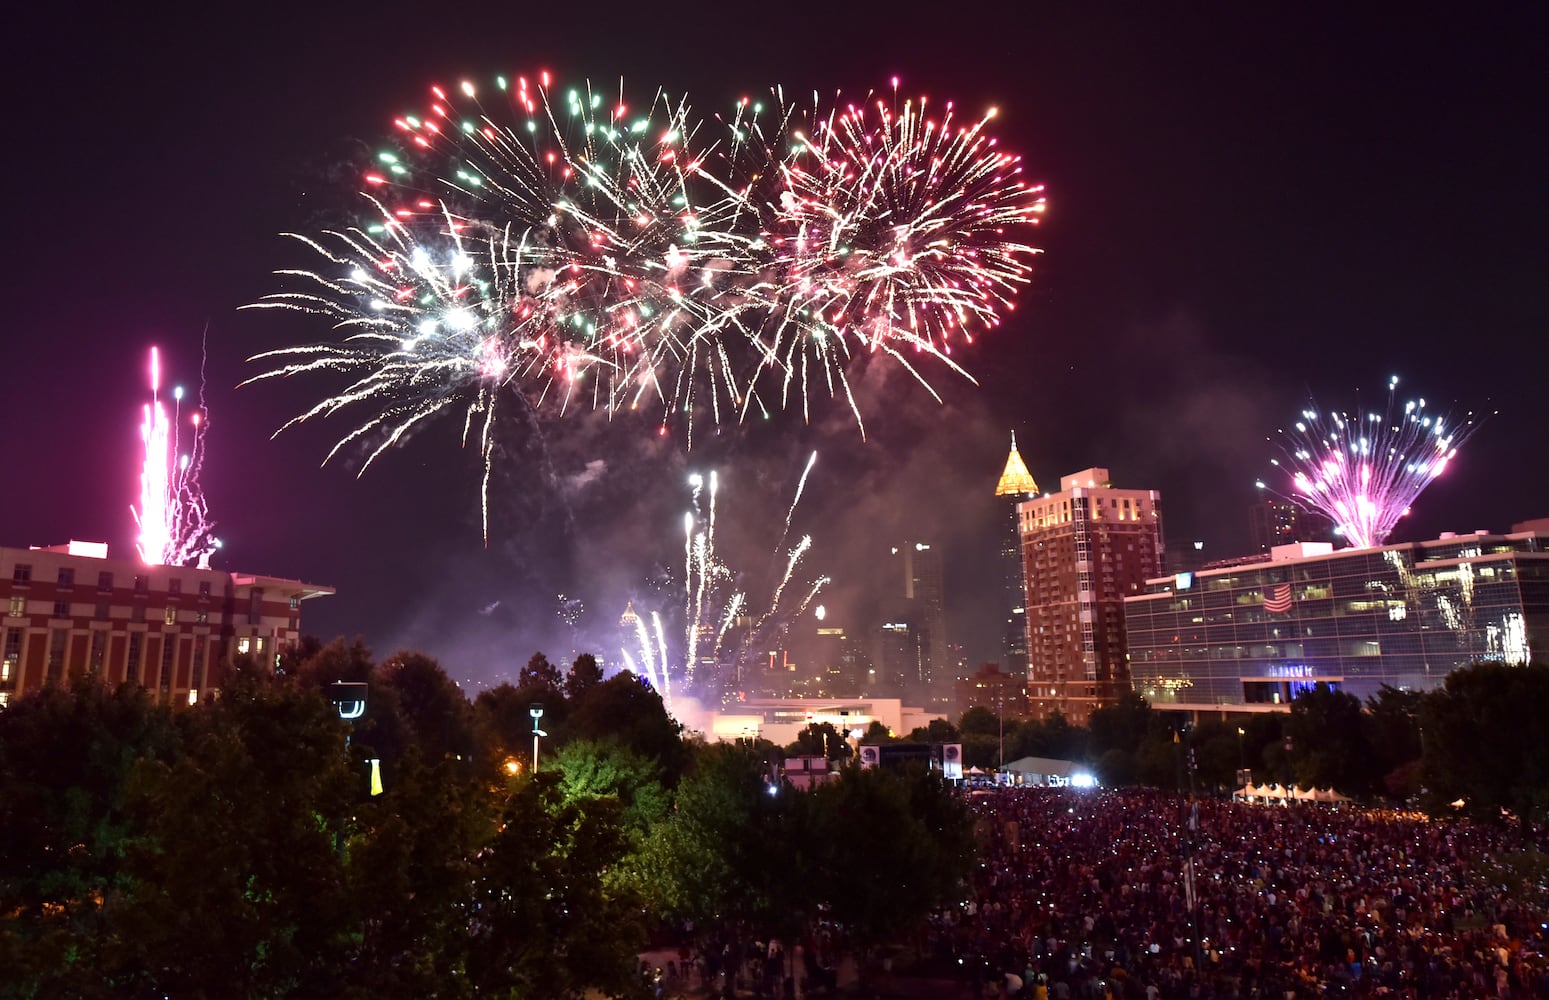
pixel 1084 895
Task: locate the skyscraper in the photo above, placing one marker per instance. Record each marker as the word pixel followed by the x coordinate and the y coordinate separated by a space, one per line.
pixel 1084 550
pixel 917 568
pixel 1017 484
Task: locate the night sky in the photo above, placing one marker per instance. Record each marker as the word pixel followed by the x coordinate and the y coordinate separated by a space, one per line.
pixel 1248 203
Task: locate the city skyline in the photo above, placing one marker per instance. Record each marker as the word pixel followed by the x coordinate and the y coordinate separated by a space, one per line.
pixel 1231 225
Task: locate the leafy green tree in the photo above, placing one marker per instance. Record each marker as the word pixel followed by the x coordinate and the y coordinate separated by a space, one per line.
pixel 433 707
pixel 1329 748
pixel 544 923
pixel 540 673
pixel 729 853
pixel 1263 747
pixel 936 731
pixel 1217 754
pixel 411 866
pixel 66 753
pixel 238 884
pixel 503 727
pixel 870 825
pixel 625 710
pixel 979 721
pixel 1483 745
pixel 584 675
pixel 820 739
pixel 878 733
pixel 610 770
pixel 1393 733
pixel 1120 726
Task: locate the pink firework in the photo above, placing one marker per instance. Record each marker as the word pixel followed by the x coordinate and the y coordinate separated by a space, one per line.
pixel 173 518
pixel 1363 471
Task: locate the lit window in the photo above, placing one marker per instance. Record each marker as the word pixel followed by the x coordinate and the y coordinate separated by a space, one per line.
pixel 170 616
pixel 202 616
pixel 18 606
pixel 243 644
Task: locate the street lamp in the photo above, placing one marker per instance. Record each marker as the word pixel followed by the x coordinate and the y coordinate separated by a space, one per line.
pixel 536 711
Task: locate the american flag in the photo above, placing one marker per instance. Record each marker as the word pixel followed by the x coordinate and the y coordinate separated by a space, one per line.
pixel 1278 600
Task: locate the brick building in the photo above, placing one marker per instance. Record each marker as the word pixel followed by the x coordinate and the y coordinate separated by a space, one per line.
pixel 174 630
pixel 1084 549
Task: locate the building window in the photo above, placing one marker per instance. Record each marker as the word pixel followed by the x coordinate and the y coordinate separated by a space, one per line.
pixel 295 602
pixel 168 654
pixel 169 616
pixel 61 609
pixel 202 616
pixel 255 606
pixel 175 586
pixel 102 611
pixel 22 573
pixel 243 644
pixel 142 583
pixel 258 645
pixel 137 613
pixel 10 666
pixel 18 605
pixel 204 588
pixel 104 581
pixel 56 652
pixel 132 665
pixel 66 578
pixel 99 645
pixel 196 673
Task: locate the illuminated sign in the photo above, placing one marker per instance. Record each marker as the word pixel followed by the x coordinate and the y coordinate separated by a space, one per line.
pixel 1183 581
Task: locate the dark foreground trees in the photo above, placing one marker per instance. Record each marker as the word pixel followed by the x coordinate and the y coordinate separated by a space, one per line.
pixel 240 848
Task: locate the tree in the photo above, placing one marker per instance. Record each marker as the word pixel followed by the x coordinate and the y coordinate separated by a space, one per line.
pixel 584 675
pixel 877 732
pixel 545 923
pixel 237 851
pixel 867 827
pixel 434 708
pixel 540 673
pixel 1120 726
pixel 730 853
pixel 1393 733
pixel 625 710
pixel 1482 743
pixel 979 721
pixel 1329 748
pixel 820 739
pixel 66 753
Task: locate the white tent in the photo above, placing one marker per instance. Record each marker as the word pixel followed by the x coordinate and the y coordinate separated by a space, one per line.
pixel 1281 794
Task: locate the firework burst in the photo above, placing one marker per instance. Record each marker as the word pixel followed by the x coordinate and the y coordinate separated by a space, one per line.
pixel 173 520
pixel 1363 471
pixel 720 627
pixel 568 249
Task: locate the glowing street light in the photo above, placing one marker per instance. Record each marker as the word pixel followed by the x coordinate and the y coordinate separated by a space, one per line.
pixel 536 711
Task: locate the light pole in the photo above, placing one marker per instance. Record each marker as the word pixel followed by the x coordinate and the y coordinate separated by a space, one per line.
pixel 536 711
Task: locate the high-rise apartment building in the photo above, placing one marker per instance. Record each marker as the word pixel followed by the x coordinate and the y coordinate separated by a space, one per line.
pixel 1016 484
pixel 174 630
pixel 1274 521
pixel 1084 549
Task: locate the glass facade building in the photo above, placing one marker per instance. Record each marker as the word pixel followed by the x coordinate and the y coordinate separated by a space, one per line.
pixel 1254 635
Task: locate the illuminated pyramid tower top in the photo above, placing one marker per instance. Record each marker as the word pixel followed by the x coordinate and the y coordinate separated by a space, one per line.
pixel 1016 480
